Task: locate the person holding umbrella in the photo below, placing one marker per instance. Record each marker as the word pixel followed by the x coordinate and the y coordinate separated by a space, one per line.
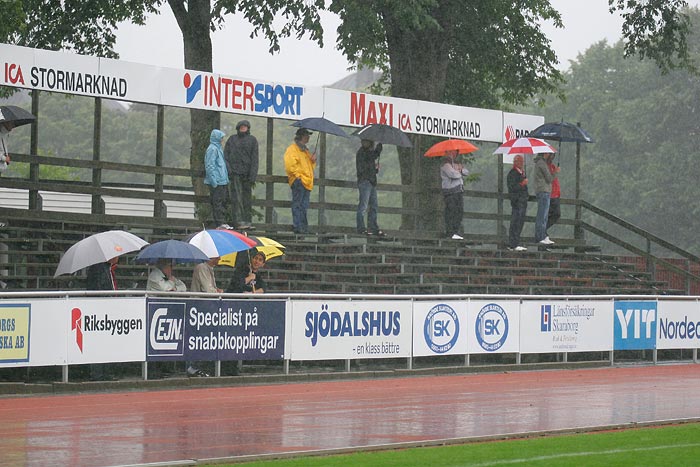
pixel 451 173
pixel 162 278
pixel 543 190
pixel 5 128
pixel 517 191
pixel 299 163
pixel 367 165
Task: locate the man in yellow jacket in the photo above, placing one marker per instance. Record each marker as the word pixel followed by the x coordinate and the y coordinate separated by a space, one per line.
pixel 299 163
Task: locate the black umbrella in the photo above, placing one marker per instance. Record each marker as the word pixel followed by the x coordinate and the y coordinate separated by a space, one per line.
pixel 321 124
pixel 384 134
pixel 16 115
pixel 562 131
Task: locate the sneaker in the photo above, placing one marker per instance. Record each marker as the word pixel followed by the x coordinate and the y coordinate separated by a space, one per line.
pixel 457 237
pixel 520 248
pixel 225 227
pixel 196 372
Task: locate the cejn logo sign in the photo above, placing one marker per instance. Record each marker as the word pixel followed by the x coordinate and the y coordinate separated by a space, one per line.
pixel 441 328
pixel 166 329
pixel 491 327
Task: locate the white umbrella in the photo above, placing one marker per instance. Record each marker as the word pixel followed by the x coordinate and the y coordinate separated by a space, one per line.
pixel 98 248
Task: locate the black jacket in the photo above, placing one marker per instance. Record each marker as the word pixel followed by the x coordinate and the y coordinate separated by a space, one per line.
pixel 365 162
pixel 518 193
pixel 241 154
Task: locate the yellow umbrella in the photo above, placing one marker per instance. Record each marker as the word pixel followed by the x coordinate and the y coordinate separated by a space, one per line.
pixel 271 248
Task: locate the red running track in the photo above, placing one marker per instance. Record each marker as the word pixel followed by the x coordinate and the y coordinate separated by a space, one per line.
pixel 109 429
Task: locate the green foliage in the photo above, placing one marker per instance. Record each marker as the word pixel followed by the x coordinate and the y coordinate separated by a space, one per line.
pixel 643 165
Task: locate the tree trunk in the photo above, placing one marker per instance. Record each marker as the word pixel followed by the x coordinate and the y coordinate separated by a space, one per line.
pixel 418 64
pixel 194 20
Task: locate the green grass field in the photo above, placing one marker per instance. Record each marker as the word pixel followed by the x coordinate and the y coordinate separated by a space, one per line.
pixel 677 445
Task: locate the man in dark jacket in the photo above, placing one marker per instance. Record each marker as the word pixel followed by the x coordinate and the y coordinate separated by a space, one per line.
pixel 367 165
pixel 517 191
pixel 241 154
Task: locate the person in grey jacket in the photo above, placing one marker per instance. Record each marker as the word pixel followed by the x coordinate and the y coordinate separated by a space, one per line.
pixel 451 173
pixel 241 154
pixel 543 190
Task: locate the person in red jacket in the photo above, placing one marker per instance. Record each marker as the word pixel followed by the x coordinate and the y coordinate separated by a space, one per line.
pixel 554 198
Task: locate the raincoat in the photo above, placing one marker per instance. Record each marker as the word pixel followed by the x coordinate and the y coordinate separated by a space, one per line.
pixel 214 163
pixel 297 163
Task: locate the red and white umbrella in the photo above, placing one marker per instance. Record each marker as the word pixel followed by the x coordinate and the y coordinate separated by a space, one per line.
pixel 524 145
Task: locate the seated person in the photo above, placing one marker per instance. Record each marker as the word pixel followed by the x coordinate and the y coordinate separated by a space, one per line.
pixel 246 277
pixel 161 278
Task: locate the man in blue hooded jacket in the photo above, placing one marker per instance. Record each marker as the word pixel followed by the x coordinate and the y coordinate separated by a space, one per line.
pixel 217 177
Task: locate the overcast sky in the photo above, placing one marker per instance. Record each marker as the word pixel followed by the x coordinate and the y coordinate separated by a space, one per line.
pixel 303 62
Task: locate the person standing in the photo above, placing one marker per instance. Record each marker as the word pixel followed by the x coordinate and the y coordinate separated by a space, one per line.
pixel 5 129
pixel 367 165
pixel 518 193
pixel 451 173
pixel 101 276
pixel 162 278
pixel 242 159
pixel 203 279
pixel 217 178
pixel 299 163
pixel 543 190
pixel 554 199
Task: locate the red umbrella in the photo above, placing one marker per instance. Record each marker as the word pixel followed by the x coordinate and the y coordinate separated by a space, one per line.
pixel 446 147
pixel 524 146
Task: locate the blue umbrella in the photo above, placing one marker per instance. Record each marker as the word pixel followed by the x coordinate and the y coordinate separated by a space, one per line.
pixel 175 250
pixel 321 124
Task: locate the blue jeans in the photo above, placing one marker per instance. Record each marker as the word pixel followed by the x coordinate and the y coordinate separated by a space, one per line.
pixel 542 214
pixel 368 199
pixel 300 204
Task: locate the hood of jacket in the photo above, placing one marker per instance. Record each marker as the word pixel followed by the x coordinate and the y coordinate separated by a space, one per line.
pixel 216 137
pixel 240 124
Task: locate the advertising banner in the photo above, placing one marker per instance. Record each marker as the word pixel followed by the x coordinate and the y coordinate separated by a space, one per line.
pixel 341 329
pixel 104 330
pixel 412 116
pixel 678 325
pixel 15 322
pixel 634 324
pixel 565 326
pixel 193 329
pixel 495 326
pixel 439 328
pixel 39 334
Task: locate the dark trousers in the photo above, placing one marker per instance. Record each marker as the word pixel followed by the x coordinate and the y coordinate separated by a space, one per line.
pixel 218 196
pixel 517 220
pixel 300 204
pixel 241 199
pixel 454 212
pixel 554 212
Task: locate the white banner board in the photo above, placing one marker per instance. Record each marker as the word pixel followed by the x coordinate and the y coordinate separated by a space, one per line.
pixel 566 326
pixel 341 329
pixel 439 328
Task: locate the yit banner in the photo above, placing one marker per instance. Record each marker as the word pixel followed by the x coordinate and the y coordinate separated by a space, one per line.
pixel 439 328
pixel 15 322
pixel 634 324
pixel 212 330
pixel 340 329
